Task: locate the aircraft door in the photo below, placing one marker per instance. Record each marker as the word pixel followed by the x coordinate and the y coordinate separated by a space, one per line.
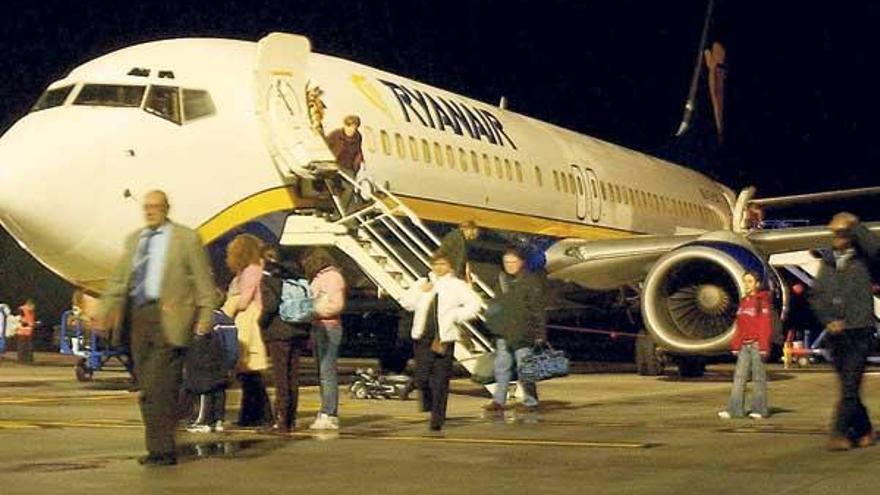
pixel 593 193
pixel 580 192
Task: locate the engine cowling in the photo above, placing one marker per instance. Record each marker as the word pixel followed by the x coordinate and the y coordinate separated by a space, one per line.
pixel 691 295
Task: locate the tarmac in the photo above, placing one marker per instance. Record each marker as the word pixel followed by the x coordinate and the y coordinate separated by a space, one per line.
pixel 596 432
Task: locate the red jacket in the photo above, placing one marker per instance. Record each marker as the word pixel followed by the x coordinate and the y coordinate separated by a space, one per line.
pixel 754 322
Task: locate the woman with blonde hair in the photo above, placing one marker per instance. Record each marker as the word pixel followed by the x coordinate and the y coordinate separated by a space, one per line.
pixel 244 304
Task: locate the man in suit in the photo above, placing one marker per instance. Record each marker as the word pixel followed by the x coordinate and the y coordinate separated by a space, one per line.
pixel 160 293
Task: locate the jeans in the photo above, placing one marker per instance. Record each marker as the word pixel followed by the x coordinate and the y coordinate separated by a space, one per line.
pixel 849 351
pixel 504 360
pixel 749 362
pixel 326 338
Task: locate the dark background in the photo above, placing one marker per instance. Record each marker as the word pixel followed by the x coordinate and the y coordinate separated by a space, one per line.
pixel 801 105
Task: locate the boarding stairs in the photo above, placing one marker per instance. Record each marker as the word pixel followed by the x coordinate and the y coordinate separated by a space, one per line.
pixel 390 244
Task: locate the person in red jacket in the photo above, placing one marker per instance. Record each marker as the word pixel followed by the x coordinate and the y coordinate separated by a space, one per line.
pixel 751 345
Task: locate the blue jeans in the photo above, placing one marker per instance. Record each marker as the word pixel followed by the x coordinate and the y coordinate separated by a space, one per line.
pixel 748 362
pixel 504 360
pixel 326 338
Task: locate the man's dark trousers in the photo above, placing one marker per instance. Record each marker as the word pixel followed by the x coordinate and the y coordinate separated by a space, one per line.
pixel 432 379
pixel 159 367
pixel 850 350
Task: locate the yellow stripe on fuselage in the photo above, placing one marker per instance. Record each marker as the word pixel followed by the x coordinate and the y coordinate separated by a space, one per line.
pixel 251 208
pixel 285 199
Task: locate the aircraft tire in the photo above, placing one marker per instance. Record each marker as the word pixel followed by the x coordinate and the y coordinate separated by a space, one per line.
pixel 690 366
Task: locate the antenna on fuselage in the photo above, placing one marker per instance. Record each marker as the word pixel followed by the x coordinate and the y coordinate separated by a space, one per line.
pixel 502 104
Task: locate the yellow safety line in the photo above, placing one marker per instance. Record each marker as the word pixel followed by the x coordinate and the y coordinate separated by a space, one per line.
pixel 501 441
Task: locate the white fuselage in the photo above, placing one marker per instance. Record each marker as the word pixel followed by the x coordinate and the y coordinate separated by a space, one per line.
pixel 72 174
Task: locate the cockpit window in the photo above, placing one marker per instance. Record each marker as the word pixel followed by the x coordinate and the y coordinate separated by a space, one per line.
pixel 196 104
pixel 52 98
pixel 164 101
pixel 110 95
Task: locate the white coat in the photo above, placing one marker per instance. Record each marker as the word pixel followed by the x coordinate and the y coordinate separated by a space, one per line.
pixel 456 303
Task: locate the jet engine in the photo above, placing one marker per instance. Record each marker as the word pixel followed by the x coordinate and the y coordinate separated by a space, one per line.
pixel 692 293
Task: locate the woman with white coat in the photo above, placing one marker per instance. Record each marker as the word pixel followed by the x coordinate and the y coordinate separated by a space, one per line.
pixel 439 303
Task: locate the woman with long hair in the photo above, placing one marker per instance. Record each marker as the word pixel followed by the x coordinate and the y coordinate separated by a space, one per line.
pixel 244 304
pixel 328 289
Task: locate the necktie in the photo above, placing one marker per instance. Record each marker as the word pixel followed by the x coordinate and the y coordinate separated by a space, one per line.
pixel 141 263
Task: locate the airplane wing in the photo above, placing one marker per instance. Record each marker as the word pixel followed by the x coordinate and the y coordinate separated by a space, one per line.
pixel 609 263
pixel 796 238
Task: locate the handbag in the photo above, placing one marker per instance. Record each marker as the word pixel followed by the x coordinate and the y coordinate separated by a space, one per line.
pixel 484 369
pixel 544 363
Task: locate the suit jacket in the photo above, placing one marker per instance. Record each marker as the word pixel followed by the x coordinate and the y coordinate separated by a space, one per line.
pixel 187 295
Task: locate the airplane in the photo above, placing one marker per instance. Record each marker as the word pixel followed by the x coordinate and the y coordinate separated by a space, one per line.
pixel 234 132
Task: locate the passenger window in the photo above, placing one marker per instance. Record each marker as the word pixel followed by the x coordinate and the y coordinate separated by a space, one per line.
pixel 413 149
pixel 369 135
pixel 108 95
pixel 556 180
pixel 487 166
pixel 475 163
pixel 164 101
pixel 462 159
pixel 52 98
pixel 508 169
pixel 197 103
pixel 426 151
pixel 386 142
pixel 499 171
pixel 571 183
pixel 519 173
pixel 564 184
pixel 538 178
pixel 401 146
pixel 602 187
pixel 450 156
pixel 438 154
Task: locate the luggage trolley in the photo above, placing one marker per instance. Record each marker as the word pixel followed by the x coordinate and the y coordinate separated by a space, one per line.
pixel 93 353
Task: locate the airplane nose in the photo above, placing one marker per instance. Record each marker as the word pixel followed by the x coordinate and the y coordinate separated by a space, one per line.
pixel 43 201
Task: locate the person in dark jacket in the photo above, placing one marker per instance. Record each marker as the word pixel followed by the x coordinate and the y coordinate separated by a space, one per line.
pixel 345 144
pixel 285 340
pixel 843 301
pixel 454 246
pixel 516 317
pixel 751 345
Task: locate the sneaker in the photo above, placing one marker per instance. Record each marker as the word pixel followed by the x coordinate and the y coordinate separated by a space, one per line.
pixel 756 416
pixel 198 428
pixel 218 426
pixel 325 422
pixel 723 414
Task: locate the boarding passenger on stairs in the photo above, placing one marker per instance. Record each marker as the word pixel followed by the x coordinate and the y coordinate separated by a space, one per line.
pixel 843 301
pixel 455 245
pixel 751 345
pixel 162 286
pixel 345 144
pixel 440 303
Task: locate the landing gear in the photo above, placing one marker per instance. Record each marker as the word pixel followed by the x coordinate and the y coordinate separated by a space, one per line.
pixel 649 361
pixel 690 366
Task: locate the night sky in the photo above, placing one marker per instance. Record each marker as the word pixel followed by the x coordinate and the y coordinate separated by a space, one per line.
pixel 801 106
